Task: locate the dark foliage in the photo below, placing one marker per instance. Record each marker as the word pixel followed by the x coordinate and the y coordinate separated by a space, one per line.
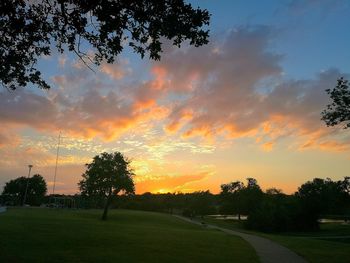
pixel 14 190
pixel 229 196
pixel 199 204
pixel 239 198
pixel 325 196
pixel 339 110
pixel 31 29
pixel 274 214
pixel 281 213
pixel 301 211
pixel 189 204
pixel 107 175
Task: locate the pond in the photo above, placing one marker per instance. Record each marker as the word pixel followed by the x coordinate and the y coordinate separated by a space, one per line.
pixel 228 217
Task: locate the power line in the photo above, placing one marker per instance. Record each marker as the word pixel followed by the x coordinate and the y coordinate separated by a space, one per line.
pixel 58 149
pixel 25 194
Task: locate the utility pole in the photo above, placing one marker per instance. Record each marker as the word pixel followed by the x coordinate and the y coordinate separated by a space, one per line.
pixel 58 149
pixel 25 194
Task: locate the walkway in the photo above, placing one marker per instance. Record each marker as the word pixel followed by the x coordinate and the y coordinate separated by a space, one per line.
pixel 268 251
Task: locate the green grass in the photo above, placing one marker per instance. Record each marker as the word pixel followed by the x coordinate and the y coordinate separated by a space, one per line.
pixel 317 250
pixel 44 235
pixel 316 247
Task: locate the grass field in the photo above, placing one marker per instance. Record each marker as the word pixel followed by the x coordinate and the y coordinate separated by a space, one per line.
pixel 316 247
pixel 49 235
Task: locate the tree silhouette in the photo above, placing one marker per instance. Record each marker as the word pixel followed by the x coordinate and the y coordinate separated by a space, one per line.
pixel 14 190
pixel 230 195
pixel 240 198
pixel 250 196
pixel 339 110
pixel 31 29
pixel 199 203
pixel 324 196
pixel 108 174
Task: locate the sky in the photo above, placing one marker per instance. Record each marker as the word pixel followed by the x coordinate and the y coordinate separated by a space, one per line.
pixel 248 104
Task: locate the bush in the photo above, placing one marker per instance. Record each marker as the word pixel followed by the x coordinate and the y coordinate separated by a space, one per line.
pixel 281 213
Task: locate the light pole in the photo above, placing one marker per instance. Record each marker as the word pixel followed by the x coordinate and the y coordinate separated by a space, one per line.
pixel 25 194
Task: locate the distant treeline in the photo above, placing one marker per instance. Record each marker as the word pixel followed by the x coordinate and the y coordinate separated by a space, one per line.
pixel 269 211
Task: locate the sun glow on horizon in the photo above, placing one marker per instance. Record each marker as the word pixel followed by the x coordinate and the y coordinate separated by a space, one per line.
pixel 161 191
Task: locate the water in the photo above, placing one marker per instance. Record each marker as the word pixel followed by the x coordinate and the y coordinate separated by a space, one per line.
pixel 228 217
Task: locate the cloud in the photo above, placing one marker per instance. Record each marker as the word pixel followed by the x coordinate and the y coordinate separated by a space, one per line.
pixel 267 146
pixel 90 115
pixel 8 137
pixel 235 88
pixel 24 108
pixel 62 59
pixel 329 145
pixel 231 88
pixel 118 70
pixel 294 109
pixel 226 80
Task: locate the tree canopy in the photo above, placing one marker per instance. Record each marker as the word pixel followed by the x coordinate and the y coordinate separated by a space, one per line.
pixel 31 29
pixel 14 190
pixel 325 196
pixel 239 198
pixel 338 112
pixel 108 174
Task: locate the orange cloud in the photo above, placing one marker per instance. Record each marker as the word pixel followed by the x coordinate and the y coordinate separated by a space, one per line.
pixel 182 117
pixel 331 145
pixel 267 147
pixel 160 80
pixel 204 131
pixel 8 137
pixel 225 97
pixel 92 114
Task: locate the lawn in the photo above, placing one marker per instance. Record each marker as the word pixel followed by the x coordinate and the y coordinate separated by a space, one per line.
pixel 50 235
pixel 316 247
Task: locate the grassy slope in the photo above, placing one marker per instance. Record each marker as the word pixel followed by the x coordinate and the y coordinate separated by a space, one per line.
pixel 315 250
pixel 43 235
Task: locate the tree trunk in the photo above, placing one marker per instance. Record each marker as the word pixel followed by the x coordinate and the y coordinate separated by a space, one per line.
pixel 108 200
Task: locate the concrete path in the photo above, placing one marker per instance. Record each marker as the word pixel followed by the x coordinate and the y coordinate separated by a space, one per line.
pixel 268 251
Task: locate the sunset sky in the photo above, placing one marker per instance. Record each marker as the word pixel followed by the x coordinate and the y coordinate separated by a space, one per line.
pixel 247 104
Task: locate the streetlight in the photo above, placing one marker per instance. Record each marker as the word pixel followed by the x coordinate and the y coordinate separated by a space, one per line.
pixel 25 194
